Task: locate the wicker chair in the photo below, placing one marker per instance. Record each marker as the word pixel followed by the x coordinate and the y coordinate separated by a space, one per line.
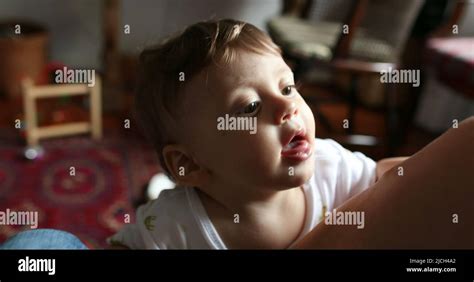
pixel 352 37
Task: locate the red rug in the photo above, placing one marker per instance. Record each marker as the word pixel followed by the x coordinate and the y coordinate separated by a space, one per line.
pixel 93 203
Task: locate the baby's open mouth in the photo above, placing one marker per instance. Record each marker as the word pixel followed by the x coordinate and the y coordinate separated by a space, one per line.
pixel 298 147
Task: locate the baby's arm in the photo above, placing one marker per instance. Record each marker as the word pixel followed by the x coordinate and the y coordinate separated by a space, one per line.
pixel 428 205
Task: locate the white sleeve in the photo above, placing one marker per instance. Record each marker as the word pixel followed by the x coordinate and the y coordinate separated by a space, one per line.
pixel 135 235
pixel 356 172
pixel 128 236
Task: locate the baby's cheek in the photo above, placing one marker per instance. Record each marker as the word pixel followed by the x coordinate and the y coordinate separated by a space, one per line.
pixel 307 111
pixel 251 156
pixel 308 116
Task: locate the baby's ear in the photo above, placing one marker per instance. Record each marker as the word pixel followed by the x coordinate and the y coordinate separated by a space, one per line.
pixel 183 168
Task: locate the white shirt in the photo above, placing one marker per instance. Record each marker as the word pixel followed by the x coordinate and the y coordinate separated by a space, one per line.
pixel 178 220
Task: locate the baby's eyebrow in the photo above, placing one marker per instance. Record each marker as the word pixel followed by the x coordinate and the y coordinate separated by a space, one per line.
pixel 283 69
pixel 282 66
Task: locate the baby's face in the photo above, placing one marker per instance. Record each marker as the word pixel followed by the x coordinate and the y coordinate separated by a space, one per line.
pixel 277 154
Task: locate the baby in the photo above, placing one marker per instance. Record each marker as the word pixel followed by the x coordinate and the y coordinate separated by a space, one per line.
pixel 239 186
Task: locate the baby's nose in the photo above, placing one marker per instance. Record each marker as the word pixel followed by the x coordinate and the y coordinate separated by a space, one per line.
pixel 286 111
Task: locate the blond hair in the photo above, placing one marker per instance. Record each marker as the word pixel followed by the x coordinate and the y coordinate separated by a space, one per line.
pixel 199 46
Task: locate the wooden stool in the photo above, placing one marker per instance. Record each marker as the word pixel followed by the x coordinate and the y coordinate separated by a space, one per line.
pixel 32 92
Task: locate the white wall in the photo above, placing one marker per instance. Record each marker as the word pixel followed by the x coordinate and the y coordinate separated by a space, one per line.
pixel 151 20
pixel 75 27
pixel 466 26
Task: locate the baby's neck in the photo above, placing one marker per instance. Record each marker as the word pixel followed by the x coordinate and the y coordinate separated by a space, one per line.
pixel 273 223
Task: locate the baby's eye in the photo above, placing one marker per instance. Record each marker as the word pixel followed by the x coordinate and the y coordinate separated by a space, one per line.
pixel 288 90
pixel 250 109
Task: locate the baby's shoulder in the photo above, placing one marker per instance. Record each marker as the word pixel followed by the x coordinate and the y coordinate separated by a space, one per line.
pixel 167 201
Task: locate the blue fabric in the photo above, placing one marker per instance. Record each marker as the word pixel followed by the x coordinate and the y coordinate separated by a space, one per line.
pixel 49 239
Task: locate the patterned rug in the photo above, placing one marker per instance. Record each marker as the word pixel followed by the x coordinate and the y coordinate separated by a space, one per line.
pixel 85 187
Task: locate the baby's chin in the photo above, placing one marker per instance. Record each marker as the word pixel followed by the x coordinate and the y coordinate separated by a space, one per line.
pixel 300 179
pixel 296 178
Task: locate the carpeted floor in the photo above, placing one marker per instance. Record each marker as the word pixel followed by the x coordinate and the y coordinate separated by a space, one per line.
pixel 92 200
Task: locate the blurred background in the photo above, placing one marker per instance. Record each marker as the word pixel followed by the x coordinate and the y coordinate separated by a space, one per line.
pixel 337 49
